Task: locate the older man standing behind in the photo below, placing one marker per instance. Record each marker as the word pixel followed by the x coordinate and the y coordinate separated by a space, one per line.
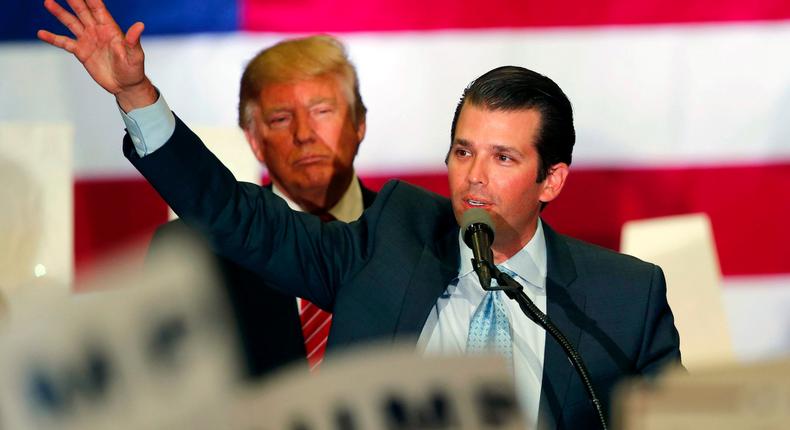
pixel 303 117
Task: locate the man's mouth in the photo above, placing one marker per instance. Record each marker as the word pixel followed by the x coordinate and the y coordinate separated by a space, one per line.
pixel 310 159
pixel 476 203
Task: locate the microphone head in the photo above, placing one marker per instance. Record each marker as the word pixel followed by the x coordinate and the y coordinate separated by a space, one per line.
pixel 477 219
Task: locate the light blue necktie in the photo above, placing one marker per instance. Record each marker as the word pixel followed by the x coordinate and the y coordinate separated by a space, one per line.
pixel 489 329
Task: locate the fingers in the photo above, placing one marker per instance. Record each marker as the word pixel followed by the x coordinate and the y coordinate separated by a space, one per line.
pixel 70 21
pixel 62 42
pixel 100 12
pixel 81 9
pixel 133 34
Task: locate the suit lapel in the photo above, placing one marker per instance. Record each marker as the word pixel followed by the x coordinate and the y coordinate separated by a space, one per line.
pixel 368 195
pixel 437 266
pixel 562 302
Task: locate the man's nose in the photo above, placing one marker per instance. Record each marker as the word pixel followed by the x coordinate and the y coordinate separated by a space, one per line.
pixel 478 172
pixel 303 132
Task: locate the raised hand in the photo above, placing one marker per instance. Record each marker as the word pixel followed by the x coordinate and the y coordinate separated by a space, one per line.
pixel 113 59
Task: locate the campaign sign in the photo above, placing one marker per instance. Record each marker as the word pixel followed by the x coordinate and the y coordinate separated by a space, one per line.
pixel 386 388
pixel 143 349
pixel 683 246
pixel 752 396
pixel 36 191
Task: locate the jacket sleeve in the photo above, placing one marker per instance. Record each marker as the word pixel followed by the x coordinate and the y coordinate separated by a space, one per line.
pixel 249 225
pixel 660 341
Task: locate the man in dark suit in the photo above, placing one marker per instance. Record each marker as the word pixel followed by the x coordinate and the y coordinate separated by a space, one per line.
pixel 402 270
pixel 309 156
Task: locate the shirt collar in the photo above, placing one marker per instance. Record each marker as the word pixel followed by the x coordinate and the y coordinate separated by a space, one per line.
pixel 529 263
pixel 347 209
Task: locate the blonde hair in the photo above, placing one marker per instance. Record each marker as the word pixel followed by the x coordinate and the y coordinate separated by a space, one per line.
pixel 298 59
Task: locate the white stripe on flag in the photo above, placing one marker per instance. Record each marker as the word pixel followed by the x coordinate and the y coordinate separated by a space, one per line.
pixel 644 95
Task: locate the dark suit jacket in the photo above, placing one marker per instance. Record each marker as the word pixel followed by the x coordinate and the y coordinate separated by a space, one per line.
pixel 267 320
pixel 382 274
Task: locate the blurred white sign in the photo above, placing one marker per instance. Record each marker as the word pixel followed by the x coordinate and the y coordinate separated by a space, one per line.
pixel 683 246
pixel 36 186
pixel 727 398
pixel 387 388
pixel 145 349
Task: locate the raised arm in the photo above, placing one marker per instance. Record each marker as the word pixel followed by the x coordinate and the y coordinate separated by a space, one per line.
pixel 113 59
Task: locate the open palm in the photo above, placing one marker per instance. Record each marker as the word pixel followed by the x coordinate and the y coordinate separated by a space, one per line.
pixel 113 59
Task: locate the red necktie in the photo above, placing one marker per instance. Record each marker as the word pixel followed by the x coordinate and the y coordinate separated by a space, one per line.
pixel 315 323
pixel 315 328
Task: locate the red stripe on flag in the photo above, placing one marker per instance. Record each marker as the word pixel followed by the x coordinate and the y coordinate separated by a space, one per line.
pixel 748 207
pixel 358 15
pixel 111 214
pixel 434 181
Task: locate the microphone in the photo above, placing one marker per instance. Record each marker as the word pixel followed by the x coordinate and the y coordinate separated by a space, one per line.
pixel 479 235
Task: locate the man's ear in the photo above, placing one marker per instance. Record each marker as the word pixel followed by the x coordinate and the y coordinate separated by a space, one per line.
pixel 361 128
pixel 255 144
pixel 252 134
pixel 554 182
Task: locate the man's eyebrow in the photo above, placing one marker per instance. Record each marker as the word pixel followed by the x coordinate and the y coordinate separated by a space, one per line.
pixel 495 148
pixel 276 109
pixel 506 148
pixel 318 100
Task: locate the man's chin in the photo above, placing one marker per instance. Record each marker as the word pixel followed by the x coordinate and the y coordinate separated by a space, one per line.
pixel 458 211
pixel 314 174
pixel 321 181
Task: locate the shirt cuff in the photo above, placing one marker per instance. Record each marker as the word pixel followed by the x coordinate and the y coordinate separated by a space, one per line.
pixel 149 127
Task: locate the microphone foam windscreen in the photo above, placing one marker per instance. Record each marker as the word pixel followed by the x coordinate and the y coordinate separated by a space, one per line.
pixel 474 216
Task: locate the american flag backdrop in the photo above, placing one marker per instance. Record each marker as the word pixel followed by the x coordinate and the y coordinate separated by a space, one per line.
pixel 681 106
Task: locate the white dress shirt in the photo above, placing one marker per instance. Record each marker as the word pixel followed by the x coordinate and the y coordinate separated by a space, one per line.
pixel 149 127
pixel 349 208
pixel 446 330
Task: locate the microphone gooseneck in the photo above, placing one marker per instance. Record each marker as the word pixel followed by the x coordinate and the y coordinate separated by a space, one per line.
pixel 515 291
